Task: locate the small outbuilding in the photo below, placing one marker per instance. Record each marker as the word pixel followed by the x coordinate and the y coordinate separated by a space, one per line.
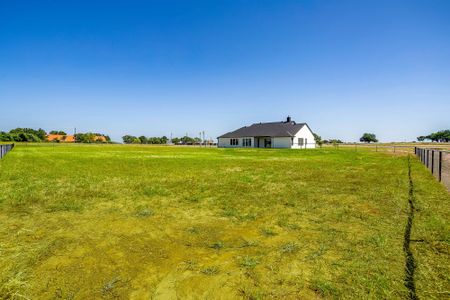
pixel 285 134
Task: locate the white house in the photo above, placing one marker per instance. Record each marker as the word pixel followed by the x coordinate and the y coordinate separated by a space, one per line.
pixel 286 134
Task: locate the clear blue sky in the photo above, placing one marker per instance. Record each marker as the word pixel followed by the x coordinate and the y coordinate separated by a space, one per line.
pixel 156 67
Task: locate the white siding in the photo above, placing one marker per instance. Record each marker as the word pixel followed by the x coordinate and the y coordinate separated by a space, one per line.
pixel 281 142
pixel 307 135
pixel 225 143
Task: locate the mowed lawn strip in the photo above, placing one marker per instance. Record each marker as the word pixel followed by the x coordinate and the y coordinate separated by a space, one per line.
pixel 118 221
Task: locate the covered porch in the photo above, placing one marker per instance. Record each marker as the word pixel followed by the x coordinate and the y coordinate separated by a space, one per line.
pixel 263 142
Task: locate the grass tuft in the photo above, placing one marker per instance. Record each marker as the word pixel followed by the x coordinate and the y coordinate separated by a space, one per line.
pixel 217 245
pixel 290 247
pixel 248 262
pixel 212 270
pixel 268 232
pixel 143 212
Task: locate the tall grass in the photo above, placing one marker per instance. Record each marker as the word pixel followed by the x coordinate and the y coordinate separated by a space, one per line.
pixel 137 222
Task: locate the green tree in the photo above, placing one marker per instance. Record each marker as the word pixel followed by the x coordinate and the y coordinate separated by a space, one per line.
pixel 90 137
pixel 80 138
pixel 332 141
pixel 442 136
pixel 368 138
pixel 187 140
pixel 421 138
pixel 143 139
pixel 27 137
pixel 318 139
pixel 5 137
pixel 28 134
pixel 60 132
pixel 128 139
pixel 41 134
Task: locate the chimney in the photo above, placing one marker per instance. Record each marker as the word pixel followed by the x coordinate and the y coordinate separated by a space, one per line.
pixel 288 119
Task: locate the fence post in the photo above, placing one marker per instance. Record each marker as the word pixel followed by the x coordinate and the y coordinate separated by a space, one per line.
pixel 432 162
pixel 440 165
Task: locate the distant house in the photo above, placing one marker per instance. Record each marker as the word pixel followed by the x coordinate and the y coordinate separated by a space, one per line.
pixel 100 138
pixel 61 138
pixel 285 134
pixel 71 138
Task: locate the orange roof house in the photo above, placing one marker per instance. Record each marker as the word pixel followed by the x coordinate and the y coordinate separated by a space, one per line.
pixel 61 138
pixel 100 138
pixel 71 139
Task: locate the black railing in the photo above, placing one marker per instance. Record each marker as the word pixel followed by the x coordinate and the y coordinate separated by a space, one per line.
pixel 4 149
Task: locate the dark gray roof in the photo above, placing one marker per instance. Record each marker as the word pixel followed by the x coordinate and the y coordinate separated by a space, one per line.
pixel 273 129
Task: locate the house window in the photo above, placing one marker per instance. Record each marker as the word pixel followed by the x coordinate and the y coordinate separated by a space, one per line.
pixel 300 142
pixel 247 142
pixel 234 142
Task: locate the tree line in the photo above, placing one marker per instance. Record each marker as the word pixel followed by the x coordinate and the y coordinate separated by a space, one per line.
pixel 40 135
pixel 366 138
pixel 130 139
pixel 442 136
pixel 185 140
pixel 91 137
pixel 320 142
pixel 23 135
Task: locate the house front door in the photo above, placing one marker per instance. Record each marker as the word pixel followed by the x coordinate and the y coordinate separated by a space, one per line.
pixel 267 143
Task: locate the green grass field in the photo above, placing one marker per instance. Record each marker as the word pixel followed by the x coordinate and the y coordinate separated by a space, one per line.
pixel 141 222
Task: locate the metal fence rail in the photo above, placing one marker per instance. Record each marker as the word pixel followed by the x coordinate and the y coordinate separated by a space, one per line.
pixel 437 161
pixel 4 149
